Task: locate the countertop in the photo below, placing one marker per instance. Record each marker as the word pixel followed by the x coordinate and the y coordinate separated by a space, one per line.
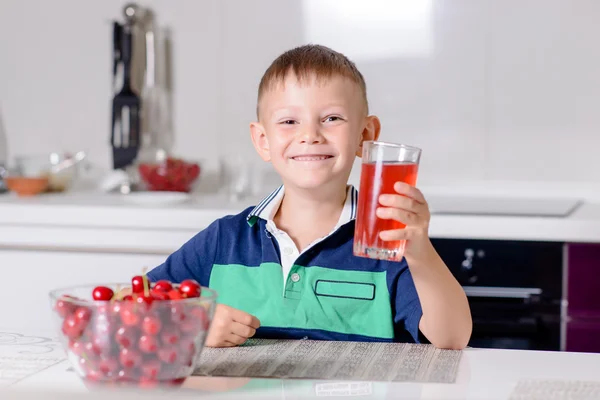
pixel 482 374
pixel 109 221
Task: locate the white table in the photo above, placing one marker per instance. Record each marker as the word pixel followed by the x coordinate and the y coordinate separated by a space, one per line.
pixel 483 374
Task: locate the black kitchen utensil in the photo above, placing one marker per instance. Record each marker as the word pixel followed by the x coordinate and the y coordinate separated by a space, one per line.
pixel 125 136
pixel 117 33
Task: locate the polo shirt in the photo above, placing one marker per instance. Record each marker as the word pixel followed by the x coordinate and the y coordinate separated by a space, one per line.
pixel 324 292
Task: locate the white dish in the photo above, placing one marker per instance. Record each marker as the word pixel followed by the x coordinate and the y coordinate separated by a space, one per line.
pixel 157 198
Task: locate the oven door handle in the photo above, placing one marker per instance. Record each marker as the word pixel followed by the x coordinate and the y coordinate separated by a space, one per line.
pixel 501 292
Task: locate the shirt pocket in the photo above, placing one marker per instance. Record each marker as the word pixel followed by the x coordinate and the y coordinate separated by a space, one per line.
pixel 345 290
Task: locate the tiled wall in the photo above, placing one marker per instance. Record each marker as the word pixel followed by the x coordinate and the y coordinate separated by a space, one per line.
pixel 491 89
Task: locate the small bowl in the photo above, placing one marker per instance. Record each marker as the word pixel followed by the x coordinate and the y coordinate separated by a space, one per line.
pixel 130 343
pixel 171 175
pixel 61 169
pixel 26 186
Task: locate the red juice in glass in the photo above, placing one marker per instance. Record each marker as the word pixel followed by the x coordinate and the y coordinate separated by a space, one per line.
pixel 383 165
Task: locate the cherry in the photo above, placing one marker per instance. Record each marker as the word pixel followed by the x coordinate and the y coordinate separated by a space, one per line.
pixel 168 354
pixel 72 327
pixel 148 344
pixel 64 306
pixel 151 368
pixel 146 382
pixel 130 358
pixel 127 336
pixel 169 336
pixel 137 284
pixel 144 300
pixel 190 288
pixel 83 314
pixel 102 293
pixel 158 295
pixel 175 295
pixel 127 374
pixel 177 313
pixel 151 325
pixel 129 315
pixel 91 351
pixel 76 347
pixel 128 297
pixel 108 366
pixel 163 286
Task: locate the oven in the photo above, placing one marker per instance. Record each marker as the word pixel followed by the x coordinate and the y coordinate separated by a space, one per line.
pixel 514 290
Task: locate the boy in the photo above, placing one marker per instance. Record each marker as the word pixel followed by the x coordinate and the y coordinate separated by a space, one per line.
pixel 285 268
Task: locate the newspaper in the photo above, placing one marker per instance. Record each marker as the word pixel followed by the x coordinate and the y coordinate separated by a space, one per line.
pixel 556 390
pixel 22 356
pixel 315 359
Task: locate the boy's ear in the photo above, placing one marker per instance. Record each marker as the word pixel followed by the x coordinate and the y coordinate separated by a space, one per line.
pixel 259 140
pixel 370 132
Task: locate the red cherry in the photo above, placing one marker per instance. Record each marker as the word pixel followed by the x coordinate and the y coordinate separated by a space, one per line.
pixel 190 288
pixel 129 314
pixel 91 351
pixel 102 293
pixel 175 295
pixel 177 313
pixel 168 355
pixel 158 295
pixel 72 327
pixel 137 284
pixel 127 336
pixel 169 336
pixel 64 306
pixel 151 369
pixel 130 358
pixel 146 382
pixel 127 375
pixel 83 314
pixel 144 301
pixel 76 347
pixel 163 286
pixel 151 325
pixel 108 366
pixel 148 344
pixel 128 297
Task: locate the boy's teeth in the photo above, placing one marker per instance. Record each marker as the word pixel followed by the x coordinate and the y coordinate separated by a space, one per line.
pixel 311 158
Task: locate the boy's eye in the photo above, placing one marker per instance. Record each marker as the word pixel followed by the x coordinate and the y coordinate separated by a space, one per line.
pixel 333 118
pixel 288 122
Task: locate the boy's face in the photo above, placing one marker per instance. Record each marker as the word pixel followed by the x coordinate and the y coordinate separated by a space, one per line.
pixel 311 131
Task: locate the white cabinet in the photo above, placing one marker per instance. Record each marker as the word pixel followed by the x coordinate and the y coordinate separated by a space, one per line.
pixel 29 275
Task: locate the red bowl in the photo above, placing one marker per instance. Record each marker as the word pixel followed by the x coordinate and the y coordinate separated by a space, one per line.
pixel 173 175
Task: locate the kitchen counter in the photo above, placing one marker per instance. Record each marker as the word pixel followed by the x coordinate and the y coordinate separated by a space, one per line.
pixel 108 222
pixel 482 374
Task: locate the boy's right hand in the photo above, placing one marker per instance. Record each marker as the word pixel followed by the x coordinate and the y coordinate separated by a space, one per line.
pixel 231 327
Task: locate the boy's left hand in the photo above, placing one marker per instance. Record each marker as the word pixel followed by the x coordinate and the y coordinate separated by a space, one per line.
pixel 410 208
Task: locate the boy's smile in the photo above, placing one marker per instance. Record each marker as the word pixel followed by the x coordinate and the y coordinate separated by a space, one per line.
pixel 311 129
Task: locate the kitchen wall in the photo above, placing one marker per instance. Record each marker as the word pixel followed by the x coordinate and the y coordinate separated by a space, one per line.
pixel 490 89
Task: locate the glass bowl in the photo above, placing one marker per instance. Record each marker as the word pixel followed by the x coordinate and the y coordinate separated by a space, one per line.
pixel 171 174
pixel 131 343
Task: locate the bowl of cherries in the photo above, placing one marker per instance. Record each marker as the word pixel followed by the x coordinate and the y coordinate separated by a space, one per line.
pixel 149 335
pixel 172 175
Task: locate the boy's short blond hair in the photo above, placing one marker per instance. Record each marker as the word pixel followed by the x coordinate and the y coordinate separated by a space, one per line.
pixel 308 61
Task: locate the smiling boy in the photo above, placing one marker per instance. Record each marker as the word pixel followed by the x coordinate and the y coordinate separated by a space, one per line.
pixel 285 268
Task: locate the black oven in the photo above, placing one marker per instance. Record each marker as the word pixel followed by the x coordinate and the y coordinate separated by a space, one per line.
pixel 514 290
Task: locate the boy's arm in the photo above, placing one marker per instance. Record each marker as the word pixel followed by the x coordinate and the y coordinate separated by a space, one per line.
pixel 446 320
pixel 193 260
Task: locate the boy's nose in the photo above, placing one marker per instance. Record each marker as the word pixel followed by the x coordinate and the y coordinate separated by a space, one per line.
pixel 311 135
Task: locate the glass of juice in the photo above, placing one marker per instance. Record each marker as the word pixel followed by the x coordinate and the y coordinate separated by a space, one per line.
pixel 383 164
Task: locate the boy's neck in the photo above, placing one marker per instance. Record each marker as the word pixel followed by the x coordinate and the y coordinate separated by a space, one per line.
pixel 307 216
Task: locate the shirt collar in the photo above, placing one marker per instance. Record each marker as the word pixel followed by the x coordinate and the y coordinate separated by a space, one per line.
pixel 267 208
